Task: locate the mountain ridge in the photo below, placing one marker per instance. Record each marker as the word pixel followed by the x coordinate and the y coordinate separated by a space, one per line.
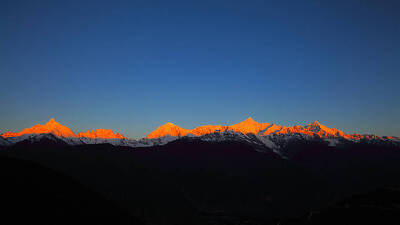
pixel 264 137
pixel 251 126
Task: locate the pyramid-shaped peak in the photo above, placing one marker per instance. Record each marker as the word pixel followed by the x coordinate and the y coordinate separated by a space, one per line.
pixel 249 120
pixel 168 129
pixel 248 126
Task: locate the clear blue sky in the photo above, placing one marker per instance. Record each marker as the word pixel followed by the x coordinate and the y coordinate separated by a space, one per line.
pixel 134 65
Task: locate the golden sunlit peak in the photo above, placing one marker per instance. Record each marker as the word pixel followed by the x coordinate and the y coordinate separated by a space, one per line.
pixel 169 124
pixel 168 129
pixel 50 127
pixel 52 120
pixel 249 119
pixel 248 126
pixel 57 129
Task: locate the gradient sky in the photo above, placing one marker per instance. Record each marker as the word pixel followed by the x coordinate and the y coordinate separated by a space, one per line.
pixel 134 65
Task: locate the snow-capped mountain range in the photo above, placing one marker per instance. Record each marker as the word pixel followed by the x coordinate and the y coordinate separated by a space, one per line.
pixel 263 136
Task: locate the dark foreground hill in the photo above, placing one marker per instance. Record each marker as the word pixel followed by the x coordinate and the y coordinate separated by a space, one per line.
pixel 380 206
pixel 33 194
pixel 197 182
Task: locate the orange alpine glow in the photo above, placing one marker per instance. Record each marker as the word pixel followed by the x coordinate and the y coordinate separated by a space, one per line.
pixel 253 127
pixel 57 129
pixel 101 133
pixel 50 127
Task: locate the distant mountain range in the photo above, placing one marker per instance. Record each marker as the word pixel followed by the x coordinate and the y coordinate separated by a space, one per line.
pixel 263 137
pixel 247 173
